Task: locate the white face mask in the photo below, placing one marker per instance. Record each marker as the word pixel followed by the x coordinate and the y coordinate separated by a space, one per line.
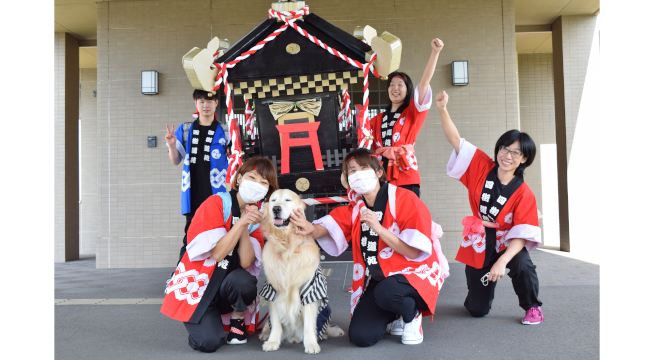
pixel 363 182
pixel 252 192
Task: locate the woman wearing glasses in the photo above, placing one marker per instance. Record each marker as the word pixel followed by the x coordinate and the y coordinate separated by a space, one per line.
pixel 504 226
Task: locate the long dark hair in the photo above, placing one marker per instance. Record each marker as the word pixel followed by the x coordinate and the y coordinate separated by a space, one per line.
pixel 527 147
pixel 410 89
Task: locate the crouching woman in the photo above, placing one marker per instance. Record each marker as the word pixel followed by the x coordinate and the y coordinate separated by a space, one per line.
pixel 216 280
pixel 398 269
pixel 504 226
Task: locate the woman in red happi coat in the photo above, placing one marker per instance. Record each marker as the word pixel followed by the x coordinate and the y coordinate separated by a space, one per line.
pixel 395 130
pixel 214 286
pixel 398 266
pixel 505 224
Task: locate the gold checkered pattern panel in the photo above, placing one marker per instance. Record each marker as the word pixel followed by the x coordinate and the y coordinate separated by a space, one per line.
pixel 297 85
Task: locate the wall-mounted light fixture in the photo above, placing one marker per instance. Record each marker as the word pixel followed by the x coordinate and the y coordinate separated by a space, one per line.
pixel 149 82
pixel 459 72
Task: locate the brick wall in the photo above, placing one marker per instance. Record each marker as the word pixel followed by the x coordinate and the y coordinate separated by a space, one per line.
pixel 138 209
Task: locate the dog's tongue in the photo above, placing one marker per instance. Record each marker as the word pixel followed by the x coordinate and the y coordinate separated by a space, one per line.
pixel 278 221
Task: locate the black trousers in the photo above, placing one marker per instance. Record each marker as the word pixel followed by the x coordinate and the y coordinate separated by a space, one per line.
pixel 238 289
pixel 413 187
pixel 380 304
pixel 523 276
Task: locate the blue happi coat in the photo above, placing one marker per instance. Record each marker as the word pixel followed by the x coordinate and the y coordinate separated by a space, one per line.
pixel 218 162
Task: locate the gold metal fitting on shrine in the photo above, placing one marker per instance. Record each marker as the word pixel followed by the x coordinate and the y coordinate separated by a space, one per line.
pixel 302 184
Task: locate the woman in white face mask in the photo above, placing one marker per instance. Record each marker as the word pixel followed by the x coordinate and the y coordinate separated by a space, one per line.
pixel 398 266
pixel 224 250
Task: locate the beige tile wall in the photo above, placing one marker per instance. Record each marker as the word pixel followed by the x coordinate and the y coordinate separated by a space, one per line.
pixel 537 111
pixel 138 207
pixel 88 206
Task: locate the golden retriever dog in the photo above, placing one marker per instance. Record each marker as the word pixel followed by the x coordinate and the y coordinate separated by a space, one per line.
pixel 289 262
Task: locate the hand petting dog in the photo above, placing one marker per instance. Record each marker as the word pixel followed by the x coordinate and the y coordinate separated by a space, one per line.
pixel 298 219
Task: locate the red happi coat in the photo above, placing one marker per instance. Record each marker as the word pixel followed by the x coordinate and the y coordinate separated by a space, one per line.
pixel 518 218
pixel 407 217
pixel 405 131
pixel 187 287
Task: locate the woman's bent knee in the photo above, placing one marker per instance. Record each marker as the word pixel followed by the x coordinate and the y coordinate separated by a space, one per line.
pixel 362 340
pixel 207 344
pixel 478 312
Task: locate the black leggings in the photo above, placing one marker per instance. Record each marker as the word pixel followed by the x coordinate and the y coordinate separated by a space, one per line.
pixel 238 289
pixel 379 305
pixel 523 276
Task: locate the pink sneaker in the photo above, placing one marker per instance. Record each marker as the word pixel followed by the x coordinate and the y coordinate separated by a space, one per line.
pixel 533 316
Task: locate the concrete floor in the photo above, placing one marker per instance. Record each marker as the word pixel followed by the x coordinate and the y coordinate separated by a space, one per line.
pixel 569 289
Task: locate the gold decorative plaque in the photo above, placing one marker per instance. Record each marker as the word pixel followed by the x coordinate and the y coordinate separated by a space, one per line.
pixel 302 184
pixel 293 48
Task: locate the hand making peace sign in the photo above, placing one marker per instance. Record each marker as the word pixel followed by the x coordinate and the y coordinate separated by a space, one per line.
pixel 170 138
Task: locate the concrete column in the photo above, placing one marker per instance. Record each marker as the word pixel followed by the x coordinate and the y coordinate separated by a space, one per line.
pixel 572 42
pixel 560 131
pixel 67 81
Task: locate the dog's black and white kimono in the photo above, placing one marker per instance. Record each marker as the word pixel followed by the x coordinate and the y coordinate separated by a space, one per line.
pixel 314 289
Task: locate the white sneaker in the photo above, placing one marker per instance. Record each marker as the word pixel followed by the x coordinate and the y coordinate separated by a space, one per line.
pixel 396 327
pixel 412 331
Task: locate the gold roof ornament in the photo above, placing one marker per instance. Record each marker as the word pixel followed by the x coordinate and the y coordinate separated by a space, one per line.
pixel 388 48
pixel 365 33
pixel 197 64
pixel 281 6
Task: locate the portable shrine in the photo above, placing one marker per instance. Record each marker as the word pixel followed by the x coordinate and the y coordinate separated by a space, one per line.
pixel 293 72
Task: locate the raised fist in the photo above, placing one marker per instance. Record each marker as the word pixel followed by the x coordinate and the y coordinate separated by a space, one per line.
pixel 436 45
pixel 441 100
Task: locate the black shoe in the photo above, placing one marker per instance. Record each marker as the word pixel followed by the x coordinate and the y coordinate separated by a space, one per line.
pixel 237 333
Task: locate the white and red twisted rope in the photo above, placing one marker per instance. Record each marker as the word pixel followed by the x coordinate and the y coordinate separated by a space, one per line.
pixel 366 132
pixel 367 138
pixel 223 73
pixel 326 200
pixel 223 68
pixel 320 43
pixel 235 159
pixel 345 113
pixel 249 119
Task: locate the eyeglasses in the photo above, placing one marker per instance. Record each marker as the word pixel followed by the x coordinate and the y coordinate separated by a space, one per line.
pixel 514 153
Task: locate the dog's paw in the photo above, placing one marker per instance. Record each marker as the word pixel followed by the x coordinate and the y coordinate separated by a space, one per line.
pixel 334 331
pixel 265 332
pixel 294 340
pixel 271 346
pixel 312 348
